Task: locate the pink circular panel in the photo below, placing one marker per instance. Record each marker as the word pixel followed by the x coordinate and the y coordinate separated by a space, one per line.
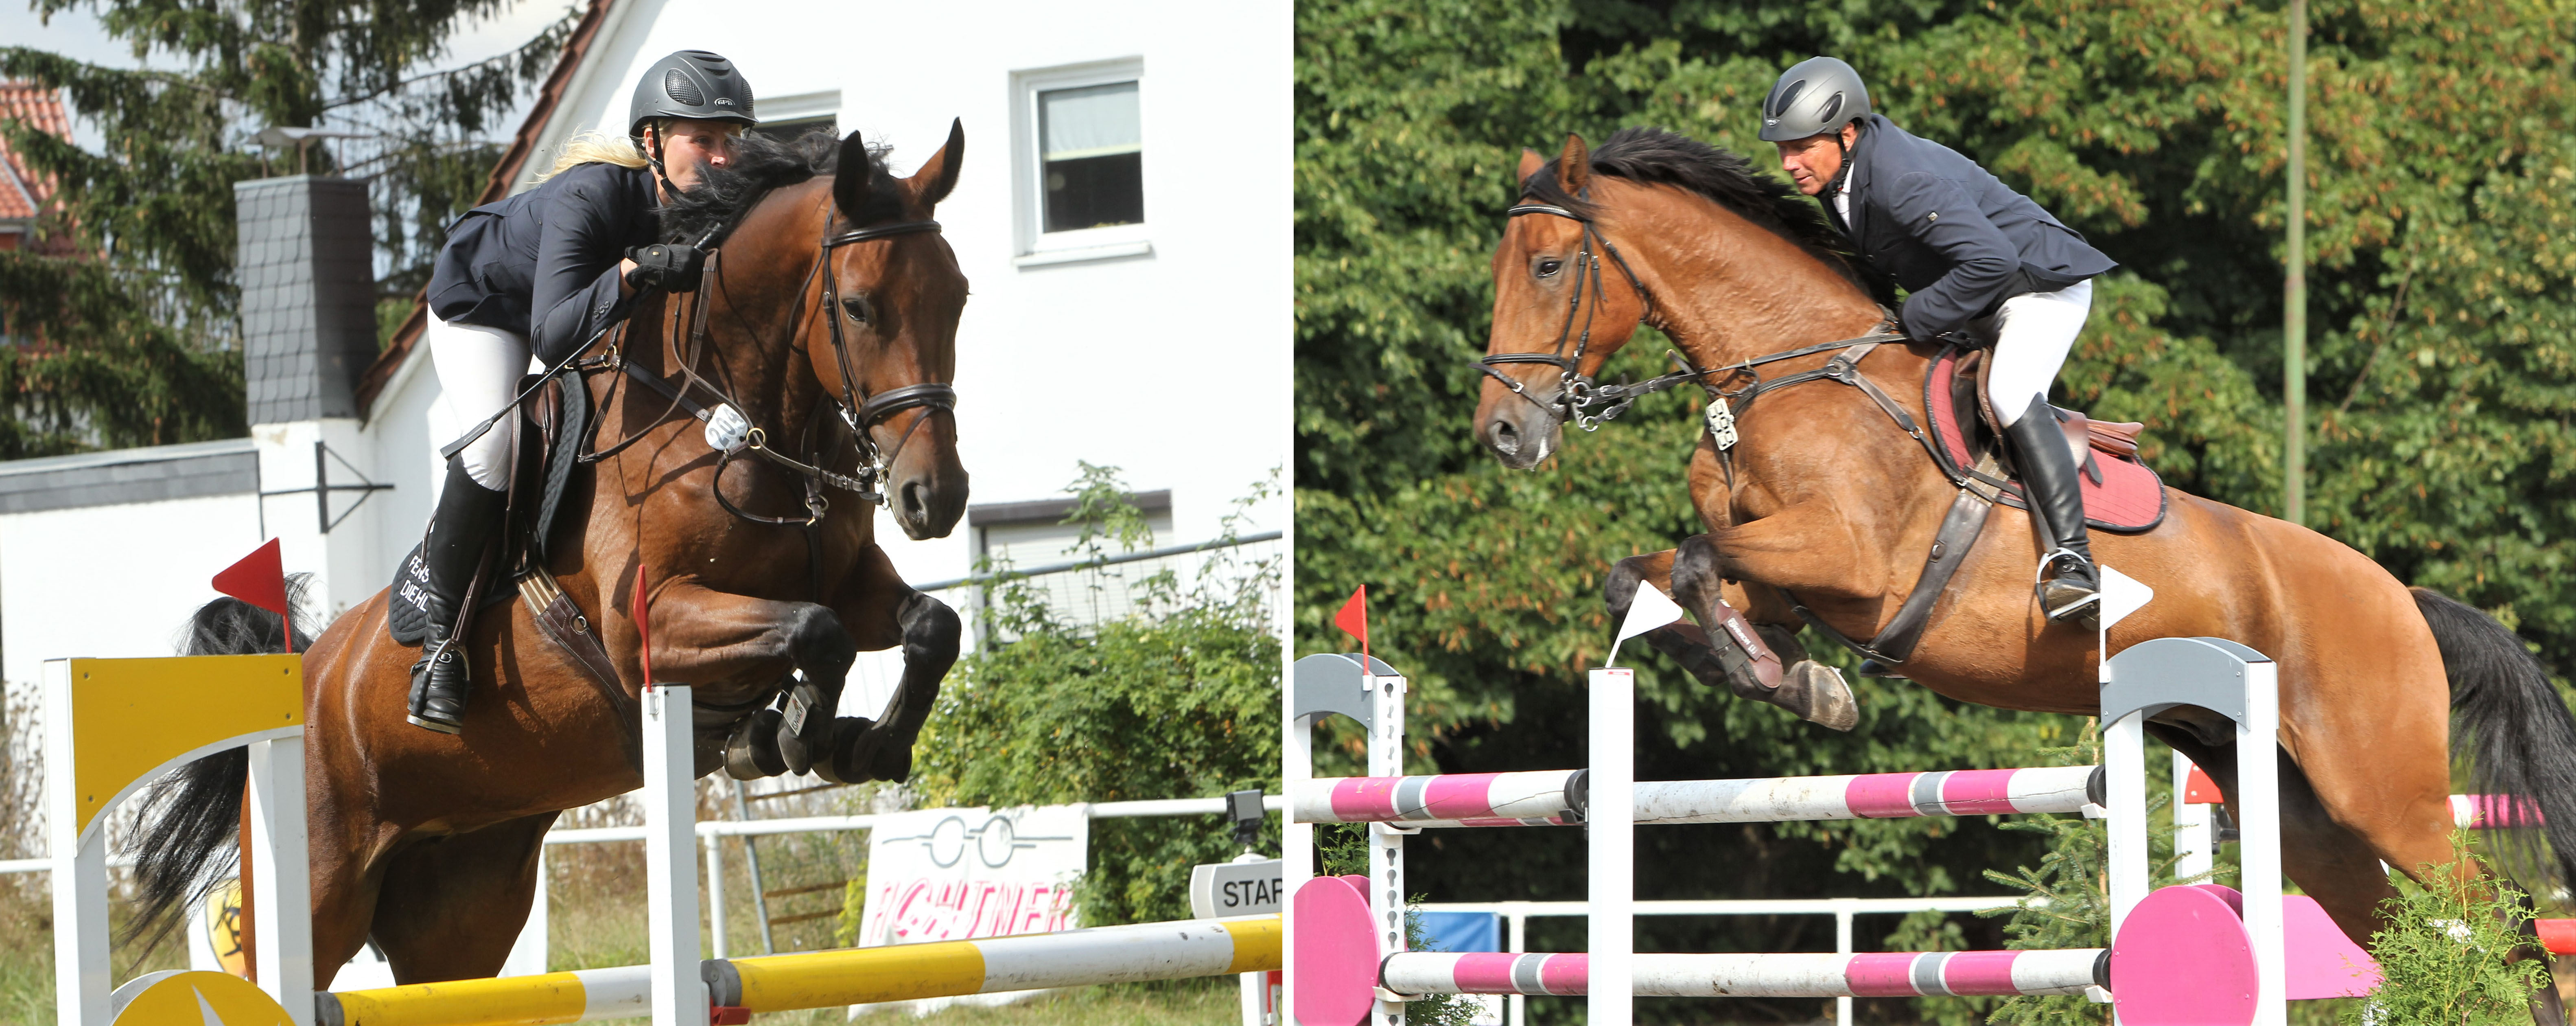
pixel 2182 959
pixel 1336 976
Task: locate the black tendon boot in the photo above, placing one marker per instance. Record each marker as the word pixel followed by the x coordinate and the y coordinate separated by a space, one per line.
pixel 467 513
pixel 2048 478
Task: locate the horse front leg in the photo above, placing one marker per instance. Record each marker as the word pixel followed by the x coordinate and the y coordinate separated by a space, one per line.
pixel 710 637
pixel 1780 551
pixel 885 611
pixel 1737 657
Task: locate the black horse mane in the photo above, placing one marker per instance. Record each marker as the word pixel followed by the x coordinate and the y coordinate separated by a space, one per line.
pixel 762 164
pixel 1653 156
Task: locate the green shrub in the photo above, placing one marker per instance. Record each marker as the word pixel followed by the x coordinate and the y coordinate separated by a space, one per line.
pixel 2443 959
pixel 1180 700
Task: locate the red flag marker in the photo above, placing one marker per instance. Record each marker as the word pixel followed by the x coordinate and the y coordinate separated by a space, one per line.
pixel 643 627
pixel 260 579
pixel 1353 620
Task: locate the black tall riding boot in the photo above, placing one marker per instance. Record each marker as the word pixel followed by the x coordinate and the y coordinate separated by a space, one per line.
pixel 2049 482
pixel 467 513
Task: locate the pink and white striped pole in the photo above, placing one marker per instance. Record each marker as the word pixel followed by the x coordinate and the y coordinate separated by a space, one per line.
pixel 1892 974
pixel 1546 798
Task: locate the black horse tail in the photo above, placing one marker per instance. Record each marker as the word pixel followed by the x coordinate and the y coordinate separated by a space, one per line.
pixel 2519 738
pixel 185 838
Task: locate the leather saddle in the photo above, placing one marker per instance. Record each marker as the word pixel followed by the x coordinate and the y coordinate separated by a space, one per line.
pixel 2121 493
pixel 552 423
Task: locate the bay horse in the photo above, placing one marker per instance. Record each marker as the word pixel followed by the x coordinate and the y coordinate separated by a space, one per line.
pixel 832 299
pixel 1830 501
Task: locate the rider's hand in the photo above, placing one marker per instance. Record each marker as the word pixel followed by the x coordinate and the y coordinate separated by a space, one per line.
pixel 671 267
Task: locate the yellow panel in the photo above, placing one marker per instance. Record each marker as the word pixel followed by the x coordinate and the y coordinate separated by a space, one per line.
pixel 131 717
pixel 825 979
pixel 175 1002
pixel 509 1001
pixel 1256 944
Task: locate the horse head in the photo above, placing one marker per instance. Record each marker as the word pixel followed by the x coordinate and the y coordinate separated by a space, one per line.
pixel 885 344
pixel 1557 318
pixel 1651 229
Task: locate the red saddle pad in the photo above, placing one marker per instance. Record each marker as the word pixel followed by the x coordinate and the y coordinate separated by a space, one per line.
pixel 2129 499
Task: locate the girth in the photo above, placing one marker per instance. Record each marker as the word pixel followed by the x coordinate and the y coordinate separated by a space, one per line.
pixel 1895 642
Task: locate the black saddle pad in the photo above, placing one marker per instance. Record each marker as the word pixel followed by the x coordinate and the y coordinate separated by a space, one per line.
pixel 407 604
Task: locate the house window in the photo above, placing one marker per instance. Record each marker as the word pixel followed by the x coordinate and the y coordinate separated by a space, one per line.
pixel 1078 142
pixel 1092 157
pixel 787 118
pixel 790 131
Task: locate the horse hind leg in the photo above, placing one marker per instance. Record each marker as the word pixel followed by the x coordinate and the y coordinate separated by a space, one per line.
pixel 450 908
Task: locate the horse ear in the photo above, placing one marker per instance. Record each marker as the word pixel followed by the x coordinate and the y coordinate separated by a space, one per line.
pixel 1530 163
pixel 855 178
pixel 1574 167
pixel 933 182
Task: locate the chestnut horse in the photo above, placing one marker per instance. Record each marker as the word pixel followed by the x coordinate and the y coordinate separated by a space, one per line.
pixel 1832 502
pixel 427 843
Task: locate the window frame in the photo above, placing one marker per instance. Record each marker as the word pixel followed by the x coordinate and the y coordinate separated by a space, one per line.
pixel 1033 246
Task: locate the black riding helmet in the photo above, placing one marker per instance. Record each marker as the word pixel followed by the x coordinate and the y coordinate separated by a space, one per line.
pixel 689 84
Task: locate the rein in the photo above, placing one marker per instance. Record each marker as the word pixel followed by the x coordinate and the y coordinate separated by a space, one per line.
pixel 874 461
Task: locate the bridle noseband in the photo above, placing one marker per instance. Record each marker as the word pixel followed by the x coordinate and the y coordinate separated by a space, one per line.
pixel 1578 398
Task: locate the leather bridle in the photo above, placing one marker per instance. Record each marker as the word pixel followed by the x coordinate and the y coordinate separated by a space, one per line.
pixel 1577 397
pixel 874 461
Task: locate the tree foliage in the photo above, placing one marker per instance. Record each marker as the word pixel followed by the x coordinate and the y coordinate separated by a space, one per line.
pixel 151 291
pixel 2442 380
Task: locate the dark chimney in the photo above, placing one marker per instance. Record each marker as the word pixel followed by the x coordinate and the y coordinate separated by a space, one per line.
pixel 308 295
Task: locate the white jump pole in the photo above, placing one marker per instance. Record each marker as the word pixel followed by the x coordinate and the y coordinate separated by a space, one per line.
pixel 281 876
pixel 671 858
pixel 1386 841
pixel 81 973
pixel 1610 828
pixel 2258 847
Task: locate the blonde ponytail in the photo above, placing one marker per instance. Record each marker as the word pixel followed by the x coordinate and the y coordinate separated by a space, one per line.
pixel 595 148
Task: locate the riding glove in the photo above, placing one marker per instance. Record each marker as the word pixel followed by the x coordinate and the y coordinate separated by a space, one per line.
pixel 671 267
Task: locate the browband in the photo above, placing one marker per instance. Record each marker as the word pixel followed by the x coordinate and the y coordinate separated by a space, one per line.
pixel 879 232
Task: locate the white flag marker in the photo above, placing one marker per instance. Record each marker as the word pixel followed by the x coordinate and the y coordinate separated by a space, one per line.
pixel 2122 595
pixel 1649 610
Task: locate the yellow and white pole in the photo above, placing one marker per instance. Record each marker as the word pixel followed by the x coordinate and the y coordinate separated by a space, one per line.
pixel 831 979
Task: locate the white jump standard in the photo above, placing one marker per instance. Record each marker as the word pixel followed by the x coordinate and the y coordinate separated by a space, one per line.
pixel 2182 955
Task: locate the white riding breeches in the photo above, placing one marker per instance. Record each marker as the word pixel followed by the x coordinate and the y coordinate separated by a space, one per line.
pixel 478 372
pixel 2032 334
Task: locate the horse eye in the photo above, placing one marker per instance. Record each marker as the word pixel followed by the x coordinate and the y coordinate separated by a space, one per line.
pixel 857 308
pixel 1548 268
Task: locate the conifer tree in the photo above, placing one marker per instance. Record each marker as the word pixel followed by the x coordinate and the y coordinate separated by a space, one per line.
pixel 134 340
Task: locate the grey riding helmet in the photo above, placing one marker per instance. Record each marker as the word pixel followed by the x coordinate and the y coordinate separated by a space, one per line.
pixel 693 84
pixel 1818 95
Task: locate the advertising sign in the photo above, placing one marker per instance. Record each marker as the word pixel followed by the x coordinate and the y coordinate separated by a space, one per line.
pixel 956 874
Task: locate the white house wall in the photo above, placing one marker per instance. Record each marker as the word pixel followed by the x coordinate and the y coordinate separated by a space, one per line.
pixel 112 581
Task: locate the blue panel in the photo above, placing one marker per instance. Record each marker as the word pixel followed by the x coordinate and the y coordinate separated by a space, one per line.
pixel 1461 931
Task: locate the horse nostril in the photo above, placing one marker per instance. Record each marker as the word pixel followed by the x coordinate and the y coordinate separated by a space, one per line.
pixel 913 508
pixel 1505 439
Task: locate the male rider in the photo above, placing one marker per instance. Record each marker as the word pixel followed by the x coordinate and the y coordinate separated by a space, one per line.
pixel 1981 262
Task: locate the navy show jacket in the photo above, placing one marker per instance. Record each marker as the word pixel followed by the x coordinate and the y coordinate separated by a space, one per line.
pixel 543 264
pixel 1960 241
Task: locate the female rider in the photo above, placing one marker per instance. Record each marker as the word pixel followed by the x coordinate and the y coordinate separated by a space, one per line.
pixel 547 270
pixel 1979 259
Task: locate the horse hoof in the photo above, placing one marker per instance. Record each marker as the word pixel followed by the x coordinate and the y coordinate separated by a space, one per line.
pixel 873 753
pixel 1820 696
pixel 752 752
